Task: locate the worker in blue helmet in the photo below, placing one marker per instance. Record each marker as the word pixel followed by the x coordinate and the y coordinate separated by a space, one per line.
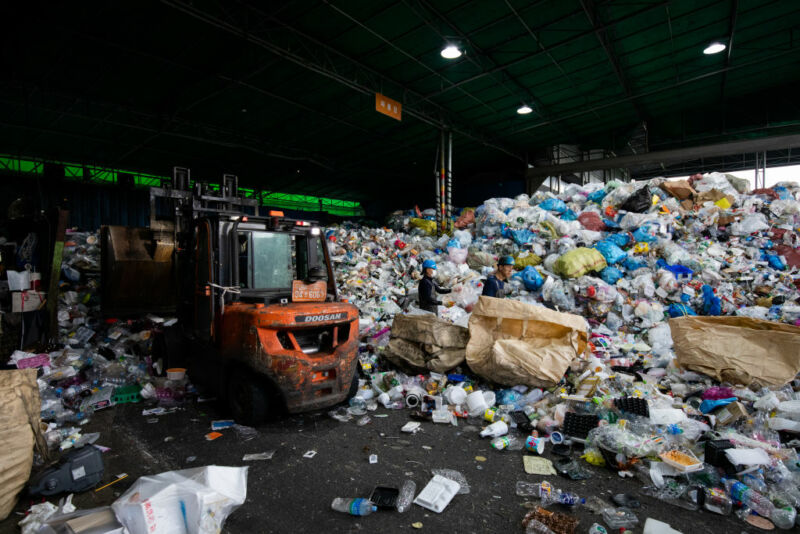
pixel 427 287
pixel 495 285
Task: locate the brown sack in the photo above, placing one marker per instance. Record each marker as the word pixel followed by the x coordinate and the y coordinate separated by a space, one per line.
pixel 679 189
pixel 19 419
pixel 515 343
pixel 713 195
pixel 429 330
pixel 422 342
pixel 738 350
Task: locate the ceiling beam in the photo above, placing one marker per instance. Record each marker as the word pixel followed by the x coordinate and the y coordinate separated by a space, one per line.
pixel 563 42
pixel 660 89
pixel 665 156
pixel 358 77
pixel 731 33
pixel 601 32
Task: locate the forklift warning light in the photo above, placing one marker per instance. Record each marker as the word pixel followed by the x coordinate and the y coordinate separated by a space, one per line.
pixel 274 213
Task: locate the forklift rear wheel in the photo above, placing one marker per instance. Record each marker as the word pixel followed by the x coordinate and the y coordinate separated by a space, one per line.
pixel 247 399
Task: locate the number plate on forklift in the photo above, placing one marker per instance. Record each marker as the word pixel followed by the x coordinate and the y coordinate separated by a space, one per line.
pixel 302 292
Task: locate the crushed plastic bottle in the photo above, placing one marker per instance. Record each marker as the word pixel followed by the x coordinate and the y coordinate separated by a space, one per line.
pixel 355 506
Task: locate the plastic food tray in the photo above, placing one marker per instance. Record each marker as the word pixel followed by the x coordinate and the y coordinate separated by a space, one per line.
pixel 437 494
pixel 695 465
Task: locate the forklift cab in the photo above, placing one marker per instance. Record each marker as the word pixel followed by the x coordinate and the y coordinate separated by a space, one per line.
pixel 263 261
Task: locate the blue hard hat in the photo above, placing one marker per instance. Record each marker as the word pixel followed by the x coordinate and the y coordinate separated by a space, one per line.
pixel 506 260
pixel 428 264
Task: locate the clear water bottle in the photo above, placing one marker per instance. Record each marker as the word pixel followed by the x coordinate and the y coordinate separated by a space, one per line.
pixel 353 506
pixel 784 517
pixel 406 496
pixel 749 498
pixel 597 528
pixel 565 498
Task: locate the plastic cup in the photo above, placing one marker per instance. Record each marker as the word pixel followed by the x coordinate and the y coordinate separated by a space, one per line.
pixel 455 395
pixel 535 445
pixel 476 403
pixel 490 398
pixel 176 373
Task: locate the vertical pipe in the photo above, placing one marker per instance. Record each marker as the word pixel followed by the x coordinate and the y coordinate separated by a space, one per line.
pixel 764 174
pixel 442 180
pixel 436 179
pixel 755 182
pixel 449 178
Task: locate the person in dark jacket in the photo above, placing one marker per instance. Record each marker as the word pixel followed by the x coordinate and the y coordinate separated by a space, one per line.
pixel 495 283
pixel 427 287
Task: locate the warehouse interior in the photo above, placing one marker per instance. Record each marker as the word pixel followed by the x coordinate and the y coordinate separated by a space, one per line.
pixel 568 165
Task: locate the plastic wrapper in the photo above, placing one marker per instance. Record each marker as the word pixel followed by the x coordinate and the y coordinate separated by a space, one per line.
pixel 191 501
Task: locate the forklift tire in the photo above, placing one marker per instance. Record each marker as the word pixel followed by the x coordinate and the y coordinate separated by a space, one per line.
pixel 248 400
pixel 353 386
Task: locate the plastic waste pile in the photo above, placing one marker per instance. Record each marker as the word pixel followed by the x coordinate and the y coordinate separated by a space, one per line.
pixel 627 257
pixel 98 362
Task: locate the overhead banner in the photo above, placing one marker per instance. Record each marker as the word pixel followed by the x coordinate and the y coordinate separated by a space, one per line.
pixel 389 107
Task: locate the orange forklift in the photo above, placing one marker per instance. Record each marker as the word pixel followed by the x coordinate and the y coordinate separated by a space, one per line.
pixel 259 321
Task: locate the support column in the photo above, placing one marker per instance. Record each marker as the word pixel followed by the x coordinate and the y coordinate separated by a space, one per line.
pixel 449 179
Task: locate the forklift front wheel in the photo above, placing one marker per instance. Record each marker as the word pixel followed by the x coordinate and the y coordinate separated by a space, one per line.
pixel 247 400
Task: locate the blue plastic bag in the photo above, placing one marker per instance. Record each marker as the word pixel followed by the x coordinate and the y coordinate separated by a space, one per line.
pixel 775 262
pixel 454 243
pixel 553 204
pixel 619 239
pixel 710 405
pixel 508 396
pixel 680 310
pixel 531 278
pixel 521 236
pixel 613 225
pixel 597 196
pixel 644 234
pixel 569 215
pixel 611 252
pixel 631 264
pixel 610 275
pixel 711 303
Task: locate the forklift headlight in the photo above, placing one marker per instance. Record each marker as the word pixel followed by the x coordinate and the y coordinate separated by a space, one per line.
pixel 315 231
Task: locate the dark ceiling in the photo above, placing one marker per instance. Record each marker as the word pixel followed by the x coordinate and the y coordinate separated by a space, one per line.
pixel 282 93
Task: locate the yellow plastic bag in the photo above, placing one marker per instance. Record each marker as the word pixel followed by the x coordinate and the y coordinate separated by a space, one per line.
pixel 429 227
pixel 579 261
pixel 529 259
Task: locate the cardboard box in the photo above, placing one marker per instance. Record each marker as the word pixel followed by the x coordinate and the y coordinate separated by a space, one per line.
pixel 25 301
pixel 730 414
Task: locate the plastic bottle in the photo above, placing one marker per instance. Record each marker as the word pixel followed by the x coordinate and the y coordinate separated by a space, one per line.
pixel 508 442
pixel 748 497
pixel 784 517
pixel 495 430
pixel 406 496
pixel 537 527
pixel 565 498
pixel 597 529
pixel 353 506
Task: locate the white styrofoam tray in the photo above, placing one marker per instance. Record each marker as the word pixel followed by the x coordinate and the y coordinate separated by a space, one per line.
pixel 437 494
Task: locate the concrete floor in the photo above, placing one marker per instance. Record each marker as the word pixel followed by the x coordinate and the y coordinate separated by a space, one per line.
pixel 290 493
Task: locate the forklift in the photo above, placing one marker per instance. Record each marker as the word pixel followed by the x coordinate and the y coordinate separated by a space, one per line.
pixel 259 321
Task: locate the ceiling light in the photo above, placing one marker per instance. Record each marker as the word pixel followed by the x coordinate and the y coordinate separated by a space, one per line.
pixel 714 48
pixel 450 52
pixel 524 109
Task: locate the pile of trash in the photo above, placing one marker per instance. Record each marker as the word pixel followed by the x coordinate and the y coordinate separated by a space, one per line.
pixel 101 362
pixel 661 321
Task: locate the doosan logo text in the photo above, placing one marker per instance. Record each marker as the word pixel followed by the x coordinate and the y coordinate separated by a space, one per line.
pixel 320 318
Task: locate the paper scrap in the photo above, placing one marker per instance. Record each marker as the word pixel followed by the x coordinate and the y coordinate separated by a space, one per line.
pixel 258 456
pixel 211 436
pixel 536 465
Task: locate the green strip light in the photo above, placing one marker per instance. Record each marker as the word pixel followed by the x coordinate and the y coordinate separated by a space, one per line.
pixel 100 175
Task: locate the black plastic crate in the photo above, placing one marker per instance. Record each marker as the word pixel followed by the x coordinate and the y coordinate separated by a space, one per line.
pixel 578 425
pixel 633 405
